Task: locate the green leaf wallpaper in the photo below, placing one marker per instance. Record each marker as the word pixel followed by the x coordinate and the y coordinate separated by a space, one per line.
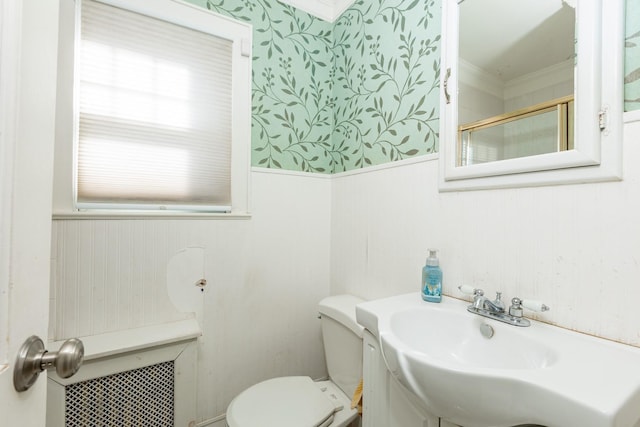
pixel 632 57
pixel 292 108
pixel 386 86
pixel 359 92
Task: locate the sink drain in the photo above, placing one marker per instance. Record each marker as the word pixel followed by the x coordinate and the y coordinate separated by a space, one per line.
pixel 486 330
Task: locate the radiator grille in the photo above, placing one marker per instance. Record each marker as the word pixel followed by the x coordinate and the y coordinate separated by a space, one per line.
pixel 141 397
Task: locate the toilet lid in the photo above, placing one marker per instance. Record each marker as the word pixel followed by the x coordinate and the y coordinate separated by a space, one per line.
pixel 285 401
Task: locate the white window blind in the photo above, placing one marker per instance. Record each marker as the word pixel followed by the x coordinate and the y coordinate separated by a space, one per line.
pixel 153 113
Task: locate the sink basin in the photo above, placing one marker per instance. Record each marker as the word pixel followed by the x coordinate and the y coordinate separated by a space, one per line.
pixel 477 372
pixel 461 343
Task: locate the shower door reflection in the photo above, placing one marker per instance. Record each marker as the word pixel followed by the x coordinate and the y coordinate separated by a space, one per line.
pixel 540 129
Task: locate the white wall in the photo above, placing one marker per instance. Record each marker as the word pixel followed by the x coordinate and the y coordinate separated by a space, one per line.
pixel 476 104
pixel 575 247
pixel 367 232
pixel 265 277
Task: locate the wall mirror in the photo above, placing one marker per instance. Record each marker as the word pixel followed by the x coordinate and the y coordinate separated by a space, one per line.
pixel 531 92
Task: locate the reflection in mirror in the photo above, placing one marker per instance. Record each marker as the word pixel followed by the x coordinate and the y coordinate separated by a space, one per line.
pixel 594 77
pixel 515 79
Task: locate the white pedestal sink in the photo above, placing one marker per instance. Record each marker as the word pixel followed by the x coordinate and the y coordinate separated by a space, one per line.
pixel 535 375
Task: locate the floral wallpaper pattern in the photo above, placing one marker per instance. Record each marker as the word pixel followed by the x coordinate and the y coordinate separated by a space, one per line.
pixel 292 111
pixel 359 92
pixel 387 77
pixel 632 56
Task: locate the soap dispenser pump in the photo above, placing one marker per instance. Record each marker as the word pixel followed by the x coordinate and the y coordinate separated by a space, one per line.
pixel 432 279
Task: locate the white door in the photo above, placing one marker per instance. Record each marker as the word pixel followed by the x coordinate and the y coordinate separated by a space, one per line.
pixel 28 58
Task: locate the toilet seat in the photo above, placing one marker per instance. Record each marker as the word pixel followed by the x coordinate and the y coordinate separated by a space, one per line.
pixel 282 402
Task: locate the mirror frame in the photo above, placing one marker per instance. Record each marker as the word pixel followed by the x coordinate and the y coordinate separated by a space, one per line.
pixel 598 99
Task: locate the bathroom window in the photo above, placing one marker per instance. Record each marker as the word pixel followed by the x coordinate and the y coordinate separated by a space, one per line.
pixel 161 108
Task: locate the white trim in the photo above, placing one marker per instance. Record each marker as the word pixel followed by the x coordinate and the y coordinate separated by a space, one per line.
pixel 181 13
pixel 541 79
pixel 340 7
pixel 113 343
pixel 480 79
pixel 328 10
pixel 291 173
pixel 390 165
pixel 148 215
pixel 87 206
pixel 208 422
pixel 631 116
pixel 317 8
pixel 10 39
pixel 597 156
pixel 173 11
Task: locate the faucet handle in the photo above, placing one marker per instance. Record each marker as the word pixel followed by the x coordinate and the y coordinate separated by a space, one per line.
pixel 517 305
pixel 515 309
pixel 498 301
pixel 470 290
pixel 534 305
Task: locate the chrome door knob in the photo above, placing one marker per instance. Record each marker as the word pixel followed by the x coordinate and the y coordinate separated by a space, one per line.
pixel 33 358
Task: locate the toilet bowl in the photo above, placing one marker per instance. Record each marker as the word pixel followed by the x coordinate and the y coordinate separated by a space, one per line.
pixel 299 401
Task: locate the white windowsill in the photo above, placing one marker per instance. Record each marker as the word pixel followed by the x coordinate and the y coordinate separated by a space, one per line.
pixel 149 215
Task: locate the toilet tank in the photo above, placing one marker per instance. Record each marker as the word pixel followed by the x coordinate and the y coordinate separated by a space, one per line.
pixel 342 337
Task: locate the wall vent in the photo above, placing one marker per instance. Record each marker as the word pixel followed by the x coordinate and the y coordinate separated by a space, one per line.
pixel 140 397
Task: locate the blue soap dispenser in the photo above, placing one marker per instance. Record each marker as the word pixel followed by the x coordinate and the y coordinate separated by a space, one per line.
pixel 432 279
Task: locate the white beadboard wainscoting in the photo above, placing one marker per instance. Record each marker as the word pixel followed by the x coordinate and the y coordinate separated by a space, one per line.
pixel 265 276
pixel 575 247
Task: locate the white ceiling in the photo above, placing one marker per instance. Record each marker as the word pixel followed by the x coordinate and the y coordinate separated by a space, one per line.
pixel 510 38
pixel 329 10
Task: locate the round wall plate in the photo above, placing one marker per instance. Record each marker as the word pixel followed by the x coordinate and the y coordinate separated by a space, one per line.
pixel 27 366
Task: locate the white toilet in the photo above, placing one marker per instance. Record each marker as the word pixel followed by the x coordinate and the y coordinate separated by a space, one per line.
pixel 299 401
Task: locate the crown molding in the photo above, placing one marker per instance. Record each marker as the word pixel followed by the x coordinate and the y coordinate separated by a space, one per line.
pixel 328 10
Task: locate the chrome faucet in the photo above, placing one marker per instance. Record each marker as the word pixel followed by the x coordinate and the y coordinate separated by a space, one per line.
pixel 495 309
pixel 480 302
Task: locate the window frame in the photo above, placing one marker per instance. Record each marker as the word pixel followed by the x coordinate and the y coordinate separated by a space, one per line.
pixel 179 13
